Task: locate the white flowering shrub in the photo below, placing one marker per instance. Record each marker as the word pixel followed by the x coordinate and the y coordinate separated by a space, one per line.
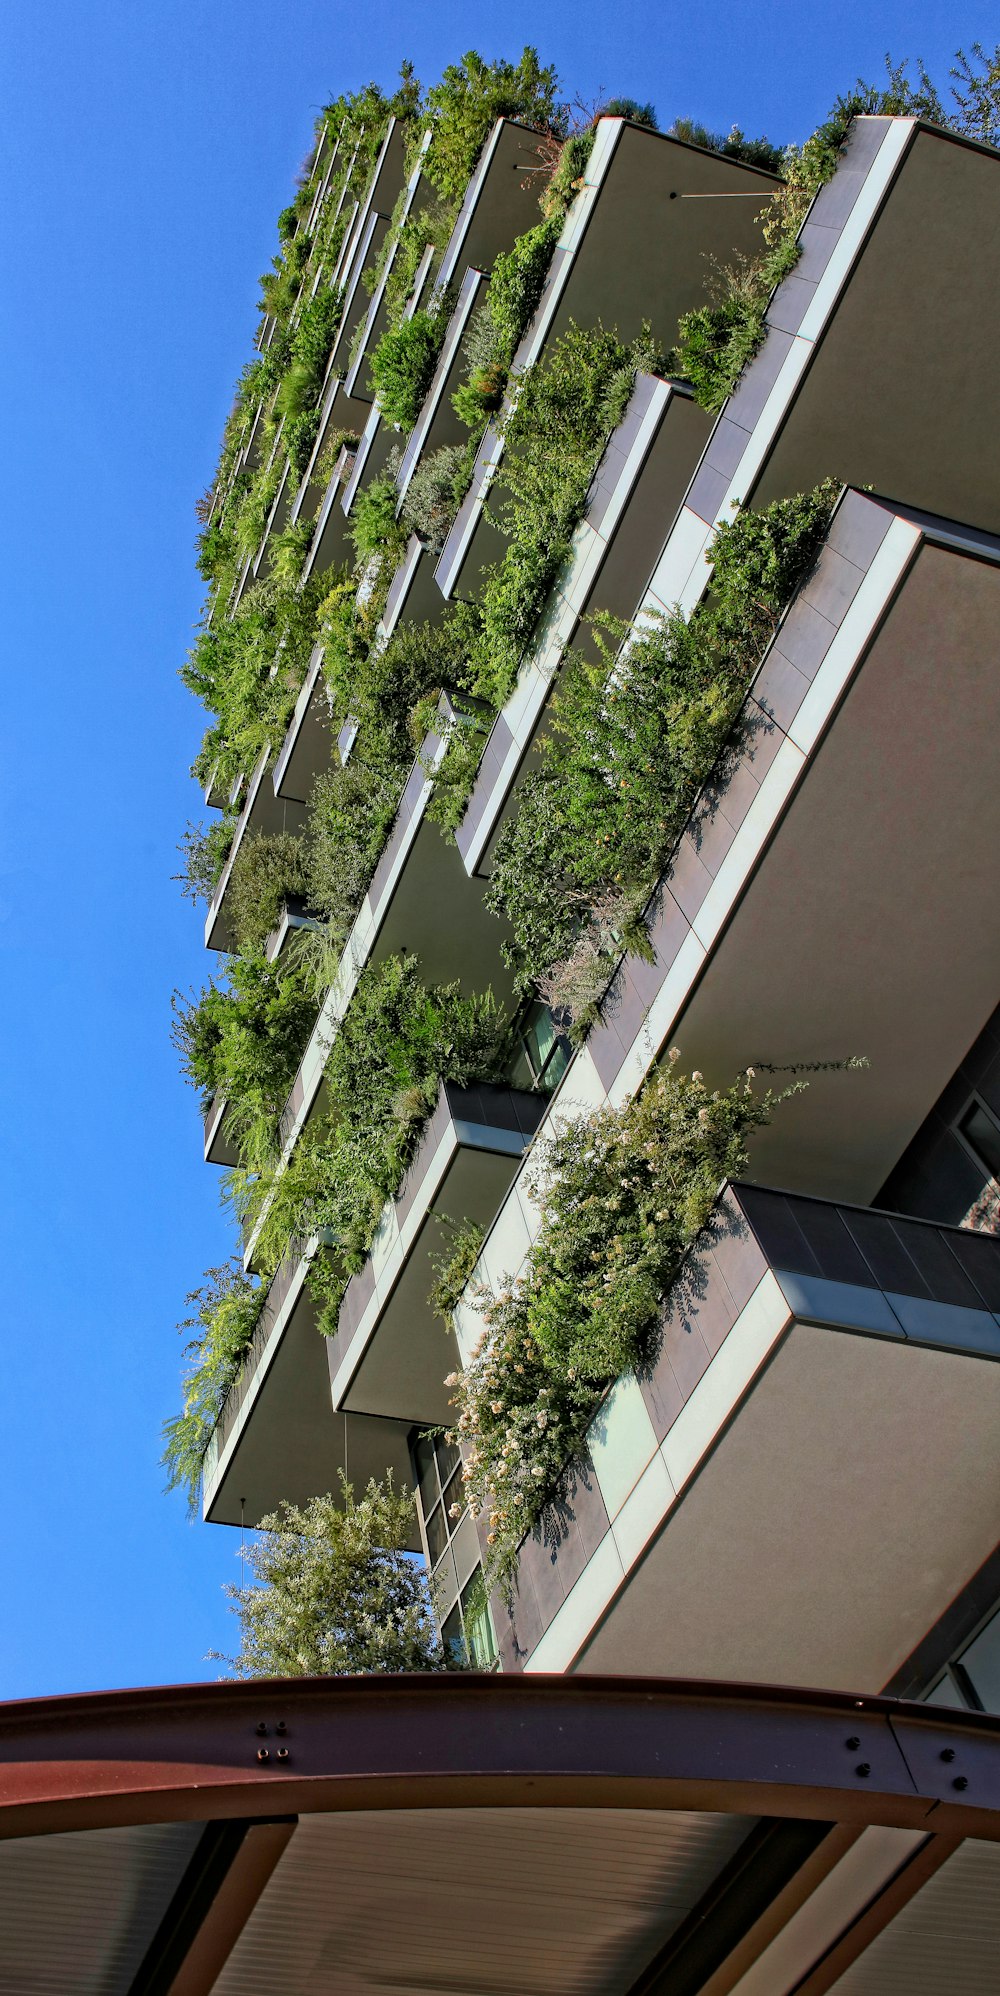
pixel 336 1590
pixel 624 1193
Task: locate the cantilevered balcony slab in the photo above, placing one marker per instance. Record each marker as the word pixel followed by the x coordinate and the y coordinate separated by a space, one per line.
pixel 640 480
pixel 807 1474
pixel 262 812
pixel 331 546
pixel 834 875
pixel 391 1353
pixel 278 1437
pixel 636 247
pixel 500 202
pixel 857 374
pixel 218 1148
pixel 418 194
pixel 307 749
pixel 437 424
pixel 420 902
pixel 413 592
pixel 837 873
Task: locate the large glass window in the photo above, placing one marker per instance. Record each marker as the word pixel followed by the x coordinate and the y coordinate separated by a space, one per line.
pixel 467 1627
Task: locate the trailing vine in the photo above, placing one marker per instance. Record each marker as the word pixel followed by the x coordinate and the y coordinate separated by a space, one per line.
pixel 624 1193
pixel 636 728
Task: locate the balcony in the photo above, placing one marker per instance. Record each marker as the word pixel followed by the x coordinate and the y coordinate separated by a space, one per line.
pixel 391 1353
pixel 639 482
pixel 437 424
pixel 835 872
pixel 900 258
pixel 262 812
pixel 277 1436
pixel 413 592
pixel 308 746
pixel 420 901
pixel 640 189
pixel 821 1363
pixel 418 193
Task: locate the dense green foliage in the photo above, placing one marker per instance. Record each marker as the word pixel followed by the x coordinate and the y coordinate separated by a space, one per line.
pixel 226 1310
pixel 397 1043
pixel 732 145
pixel 464 106
pixel 335 1592
pixel 623 1194
pixel 403 363
pixel 634 734
pixel 566 409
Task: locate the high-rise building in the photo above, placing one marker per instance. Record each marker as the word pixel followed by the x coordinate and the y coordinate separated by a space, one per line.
pixel 604 570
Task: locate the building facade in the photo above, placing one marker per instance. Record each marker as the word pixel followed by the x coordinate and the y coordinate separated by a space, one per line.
pixel 499 469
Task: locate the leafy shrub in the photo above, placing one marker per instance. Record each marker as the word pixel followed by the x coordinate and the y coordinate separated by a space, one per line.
pixel 245 1041
pixel 350 816
pixel 567 408
pixel 335 1591
pixel 497 328
pixel 471 95
pixel 403 363
pixel 396 1044
pixel 435 493
pixel 630 108
pixel 225 1317
pixel 623 1193
pixel 268 870
pixel 633 738
pixel 733 145
pixel 205 850
pixel 557 198
pixel 373 525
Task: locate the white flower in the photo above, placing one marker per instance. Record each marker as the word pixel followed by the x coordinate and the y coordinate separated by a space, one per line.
pixel 538 1471
pixel 696 1075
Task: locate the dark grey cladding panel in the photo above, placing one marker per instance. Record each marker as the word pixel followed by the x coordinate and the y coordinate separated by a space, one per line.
pixel 560 256
pixel 481 800
pixel 707 493
pixel 832 587
pixel 746 403
pixel 357 1297
pixel 790 303
pixel 834 202
pixel 868 1249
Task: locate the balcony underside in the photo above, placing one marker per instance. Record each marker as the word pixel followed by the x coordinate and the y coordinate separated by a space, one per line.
pixel 867 928
pixel 286 1442
pixel 392 1352
pixel 808 1472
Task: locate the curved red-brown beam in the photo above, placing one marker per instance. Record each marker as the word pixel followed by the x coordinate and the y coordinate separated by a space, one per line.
pixel 198 1752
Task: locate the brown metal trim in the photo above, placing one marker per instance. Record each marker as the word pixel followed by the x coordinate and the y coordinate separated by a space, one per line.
pixel 908 1881
pixel 213 1902
pixel 277 1747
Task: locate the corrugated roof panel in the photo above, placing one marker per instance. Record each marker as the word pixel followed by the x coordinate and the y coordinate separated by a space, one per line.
pixel 548 1902
pixel 78 1910
pixel 946 1942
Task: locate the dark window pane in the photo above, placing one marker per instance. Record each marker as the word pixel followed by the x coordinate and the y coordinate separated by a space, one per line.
pixel 448 1459
pixel 455 1495
pixel 423 1459
pixel 979 1130
pixel 437 1534
pixel 453 1637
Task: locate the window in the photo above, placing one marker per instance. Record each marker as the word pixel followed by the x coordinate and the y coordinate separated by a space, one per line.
pixel 979 1134
pixel 467 1625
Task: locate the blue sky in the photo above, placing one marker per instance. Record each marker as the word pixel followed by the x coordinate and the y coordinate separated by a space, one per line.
pixel 145 152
